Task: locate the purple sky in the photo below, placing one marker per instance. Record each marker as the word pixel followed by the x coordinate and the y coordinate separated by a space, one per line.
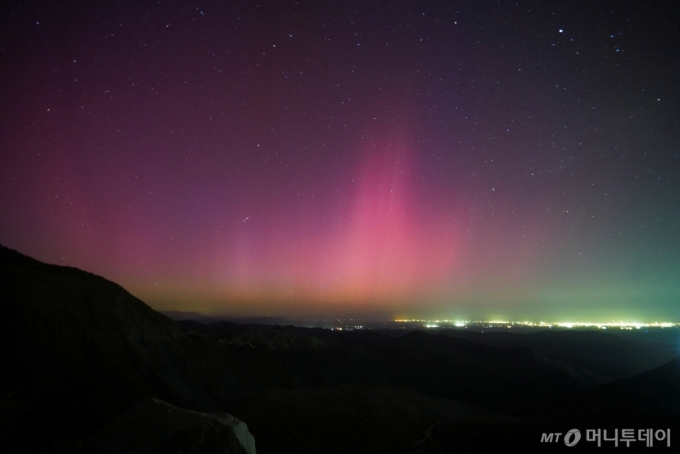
pixel 448 159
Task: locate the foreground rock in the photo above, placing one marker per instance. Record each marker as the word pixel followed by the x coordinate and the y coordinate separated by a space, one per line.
pixel 155 426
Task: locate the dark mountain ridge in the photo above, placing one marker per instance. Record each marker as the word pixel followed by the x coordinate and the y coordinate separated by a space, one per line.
pixel 81 347
pixel 593 356
pixel 294 357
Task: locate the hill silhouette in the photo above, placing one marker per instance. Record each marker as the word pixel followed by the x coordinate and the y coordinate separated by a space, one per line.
pixel 81 348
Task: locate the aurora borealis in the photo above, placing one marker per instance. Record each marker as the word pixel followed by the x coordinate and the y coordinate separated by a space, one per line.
pixel 454 159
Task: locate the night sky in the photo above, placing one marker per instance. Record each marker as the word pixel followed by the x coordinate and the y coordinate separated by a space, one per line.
pixel 473 159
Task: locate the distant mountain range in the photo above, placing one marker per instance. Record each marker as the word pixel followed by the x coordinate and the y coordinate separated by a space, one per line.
pixel 181 316
pixel 89 368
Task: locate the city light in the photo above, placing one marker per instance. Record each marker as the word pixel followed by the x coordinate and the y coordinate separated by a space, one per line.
pixel 625 325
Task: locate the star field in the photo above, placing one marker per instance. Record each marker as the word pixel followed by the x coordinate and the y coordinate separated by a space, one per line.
pixel 451 159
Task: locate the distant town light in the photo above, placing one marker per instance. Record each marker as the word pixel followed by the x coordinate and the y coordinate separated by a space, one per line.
pixel 542 324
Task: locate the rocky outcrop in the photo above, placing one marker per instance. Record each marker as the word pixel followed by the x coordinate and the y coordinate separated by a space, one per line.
pixel 155 426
